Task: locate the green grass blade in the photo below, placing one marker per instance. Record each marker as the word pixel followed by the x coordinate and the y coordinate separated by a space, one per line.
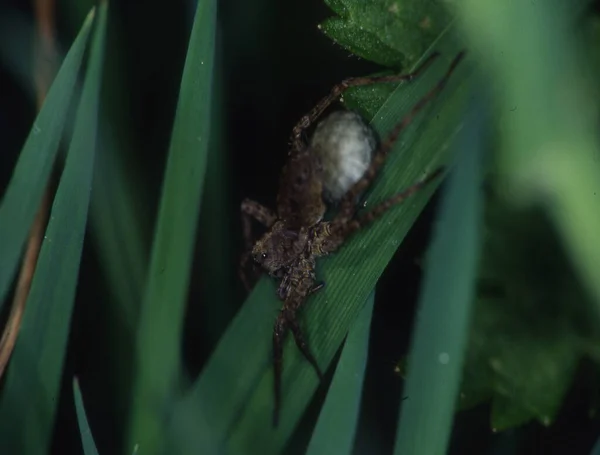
pixel 233 397
pixel 117 228
pixel 87 440
pixel 442 327
pixel 596 448
pixel 30 177
pixel 120 223
pixel 161 318
pixel 30 394
pixel 336 426
pixel 217 225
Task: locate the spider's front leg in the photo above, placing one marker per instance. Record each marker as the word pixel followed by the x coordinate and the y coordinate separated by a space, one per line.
pixel 339 89
pixel 252 210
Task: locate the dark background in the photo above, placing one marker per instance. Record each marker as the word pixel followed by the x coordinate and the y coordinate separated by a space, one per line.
pixel 275 66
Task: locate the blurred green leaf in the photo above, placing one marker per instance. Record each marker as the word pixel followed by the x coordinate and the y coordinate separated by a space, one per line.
pixel 218 256
pixel 232 399
pixel 121 224
pixel 87 440
pixel 30 176
pixel 158 367
pixel 596 448
pixel 508 413
pixel 336 427
pixel 440 335
pixel 546 97
pixel 30 394
pixel 118 225
pixel 393 33
pixel 532 321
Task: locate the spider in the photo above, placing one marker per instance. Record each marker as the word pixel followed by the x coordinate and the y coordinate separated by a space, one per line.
pixel 297 234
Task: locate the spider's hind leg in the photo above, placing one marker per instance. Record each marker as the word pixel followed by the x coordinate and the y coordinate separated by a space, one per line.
pixel 287 320
pixel 340 229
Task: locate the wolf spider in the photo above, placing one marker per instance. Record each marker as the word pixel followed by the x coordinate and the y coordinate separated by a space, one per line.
pixel 297 234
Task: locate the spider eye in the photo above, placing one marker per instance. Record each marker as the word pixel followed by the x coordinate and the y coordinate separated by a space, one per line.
pixel 264 255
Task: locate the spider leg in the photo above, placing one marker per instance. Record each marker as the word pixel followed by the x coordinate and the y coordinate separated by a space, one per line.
pixel 317 287
pixel 299 130
pixel 340 230
pixel 348 203
pixel 302 345
pixel 284 288
pixel 252 210
pixel 279 333
pixel 300 281
pixel 287 321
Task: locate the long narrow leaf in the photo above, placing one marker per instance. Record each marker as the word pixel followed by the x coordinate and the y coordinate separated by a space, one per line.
pixel 87 440
pixel 596 448
pixel 441 332
pixel 336 426
pixel 161 318
pixel 30 177
pixel 30 394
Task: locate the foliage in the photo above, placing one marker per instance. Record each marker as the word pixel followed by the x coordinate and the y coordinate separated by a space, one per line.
pixel 29 397
pixel 392 33
pixel 533 318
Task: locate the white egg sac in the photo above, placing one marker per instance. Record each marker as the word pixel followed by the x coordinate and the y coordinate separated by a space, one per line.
pixel 345 144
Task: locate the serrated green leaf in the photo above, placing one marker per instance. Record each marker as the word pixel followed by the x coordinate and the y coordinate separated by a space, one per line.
pixel 87 440
pixel 526 340
pixel 30 176
pixel 368 100
pixel 158 367
pixel 336 427
pixel 536 378
pixel 389 32
pixel 30 395
pixel 440 335
pixel 507 413
pixel 361 42
pixel 339 6
pixel 232 399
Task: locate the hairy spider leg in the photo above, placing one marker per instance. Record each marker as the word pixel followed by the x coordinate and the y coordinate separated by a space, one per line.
pixel 287 320
pixel 316 287
pixel 348 205
pixel 252 210
pixel 301 284
pixel 340 231
pixel 298 131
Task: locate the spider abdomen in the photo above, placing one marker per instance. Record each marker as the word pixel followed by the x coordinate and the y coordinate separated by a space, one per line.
pixel 345 145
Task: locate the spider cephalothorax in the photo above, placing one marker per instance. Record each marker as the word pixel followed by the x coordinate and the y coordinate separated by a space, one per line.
pixel 296 234
pixel 279 247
